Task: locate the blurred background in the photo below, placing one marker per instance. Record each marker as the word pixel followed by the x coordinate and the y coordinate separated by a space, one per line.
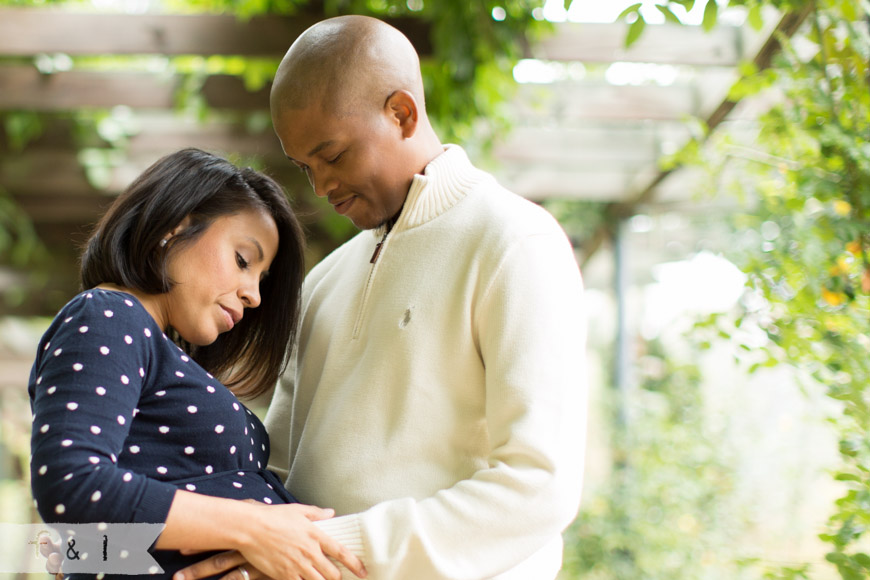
pixel 709 160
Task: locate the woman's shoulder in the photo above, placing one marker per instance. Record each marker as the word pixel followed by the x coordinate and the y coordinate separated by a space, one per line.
pixel 97 310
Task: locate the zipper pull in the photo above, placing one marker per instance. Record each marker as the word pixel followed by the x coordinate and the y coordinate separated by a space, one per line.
pixel 378 248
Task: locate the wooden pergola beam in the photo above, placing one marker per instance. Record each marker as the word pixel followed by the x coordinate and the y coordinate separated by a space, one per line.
pixel 29 31
pixel 665 44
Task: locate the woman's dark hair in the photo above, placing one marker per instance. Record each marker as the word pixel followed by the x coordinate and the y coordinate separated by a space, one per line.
pixel 126 250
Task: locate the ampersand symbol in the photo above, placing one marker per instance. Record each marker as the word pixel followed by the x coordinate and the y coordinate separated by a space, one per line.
pixel 74 555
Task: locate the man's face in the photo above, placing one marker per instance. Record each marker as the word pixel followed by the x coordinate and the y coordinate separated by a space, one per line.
pixel 357 161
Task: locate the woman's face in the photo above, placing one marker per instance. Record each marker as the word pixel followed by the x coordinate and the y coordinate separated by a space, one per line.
pixel 218 276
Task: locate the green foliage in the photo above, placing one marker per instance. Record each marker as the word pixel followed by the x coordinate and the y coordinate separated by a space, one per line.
pixel 806 242
pixel 667 510
pixel 673 9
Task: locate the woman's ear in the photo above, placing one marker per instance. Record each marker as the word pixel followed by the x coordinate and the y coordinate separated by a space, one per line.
pixel 402 109
pixel 182 225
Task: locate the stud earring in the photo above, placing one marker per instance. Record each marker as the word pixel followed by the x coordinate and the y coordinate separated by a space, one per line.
pixel 163 243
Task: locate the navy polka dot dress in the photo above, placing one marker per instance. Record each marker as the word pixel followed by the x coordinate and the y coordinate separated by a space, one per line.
pixel 122 417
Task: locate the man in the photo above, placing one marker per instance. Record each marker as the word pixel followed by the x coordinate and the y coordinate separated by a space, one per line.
pixel 437 401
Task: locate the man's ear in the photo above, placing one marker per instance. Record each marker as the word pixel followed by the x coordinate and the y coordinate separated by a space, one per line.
pixel 402 109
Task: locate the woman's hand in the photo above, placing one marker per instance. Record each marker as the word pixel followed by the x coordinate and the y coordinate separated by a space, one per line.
pixel 288 546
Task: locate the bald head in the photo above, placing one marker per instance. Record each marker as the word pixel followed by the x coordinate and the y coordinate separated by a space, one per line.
pixel 346 64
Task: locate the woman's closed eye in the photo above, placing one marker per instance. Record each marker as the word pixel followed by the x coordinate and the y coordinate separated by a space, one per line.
pixel 242 263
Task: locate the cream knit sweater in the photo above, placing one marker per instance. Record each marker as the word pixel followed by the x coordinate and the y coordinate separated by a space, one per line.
pixel 438 396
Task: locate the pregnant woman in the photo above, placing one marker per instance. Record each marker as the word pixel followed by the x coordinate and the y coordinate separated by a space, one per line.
pixel 191 289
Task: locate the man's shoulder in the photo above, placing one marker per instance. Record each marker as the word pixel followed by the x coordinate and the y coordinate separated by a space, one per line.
pixel 503 212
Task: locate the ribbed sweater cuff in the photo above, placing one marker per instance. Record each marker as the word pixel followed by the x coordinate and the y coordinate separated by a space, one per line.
pixel 346 531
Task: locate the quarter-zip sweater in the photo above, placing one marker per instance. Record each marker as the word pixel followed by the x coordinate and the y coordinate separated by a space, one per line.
pixel 437 400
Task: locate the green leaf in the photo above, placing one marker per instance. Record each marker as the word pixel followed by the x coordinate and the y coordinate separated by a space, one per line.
pixel 633 9
pixel 687 4
pixel 756 21
pixel 635 30
pixel 669 16
pixel 711 15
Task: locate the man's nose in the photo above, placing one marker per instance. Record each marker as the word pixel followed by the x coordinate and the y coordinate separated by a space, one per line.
pixel 323 183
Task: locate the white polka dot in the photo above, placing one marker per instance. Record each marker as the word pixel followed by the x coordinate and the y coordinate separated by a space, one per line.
pixel 240 473
pixel 134 449
pixel 246 430
pixel 43 470
pixel 148 333
pixel 101 391
pixel 127 476
pixel 109 313
pixel 269 485
pixel 159 393
pixel 125 379
pixel 179 374
pixel 58 351
pixel 209 468
pixel 190 487
pixel 218 428
pixel 162 470
pixel 83 329
pixel 121 420
pixel 72 406
pixel 78 366
pixel 51 390
pixel 113 458
pixel 209 375
pixel 192 409
pixel 185 358
pixel 94 459
pixel 259 465
pixel 267 500
pixel 210 389
pixel 135 412
pixel 141 372
pixel 47 345
pixel 89 295
pixel 59 508
pixel 163 429
pixel 95 429
pixel 104 350
pixel 236 406
pixel 188 450
pixel 67 319
pixel 263 446
pixel 39 380
pixel 236 484
pixel 232 450
pixel 68 477
pixel 250 456
pixel 128 339
pixel 96 496
pixel 128 302
pixel 44 428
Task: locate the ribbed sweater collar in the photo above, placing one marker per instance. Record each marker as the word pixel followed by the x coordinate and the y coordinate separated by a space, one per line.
pixel 445 181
